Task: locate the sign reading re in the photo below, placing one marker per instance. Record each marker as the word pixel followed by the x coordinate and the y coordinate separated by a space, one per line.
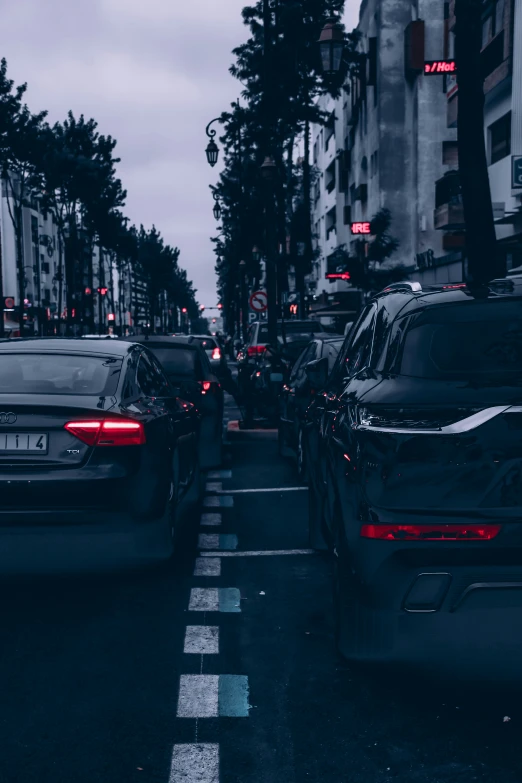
pixel 361 228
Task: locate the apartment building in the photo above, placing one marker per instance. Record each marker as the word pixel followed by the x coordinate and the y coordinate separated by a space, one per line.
pixel 502 69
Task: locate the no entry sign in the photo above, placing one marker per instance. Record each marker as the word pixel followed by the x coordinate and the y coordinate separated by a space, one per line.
pixel 259 302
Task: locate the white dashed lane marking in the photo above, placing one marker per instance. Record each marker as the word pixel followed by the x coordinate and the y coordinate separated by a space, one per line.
pixel 214 599
pixel 227 492
pixel 218 501
pixel 207 566
pixel 202 639
pixel 211 695
pixel 260 553
pixel 213 486
pixel 211 520
pixel 220 474
pixel 217 541
pixel 196 763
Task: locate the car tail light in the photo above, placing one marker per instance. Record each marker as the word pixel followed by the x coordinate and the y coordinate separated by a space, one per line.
pixel 216 353
pixel 430 532
pixel 256 350
pixel 111 432
pixel 206 385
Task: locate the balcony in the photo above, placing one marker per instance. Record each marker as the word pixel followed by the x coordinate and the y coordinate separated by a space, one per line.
pixel 449 216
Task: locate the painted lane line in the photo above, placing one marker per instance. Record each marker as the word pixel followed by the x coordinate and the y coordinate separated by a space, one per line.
pixel 213 486
pixel 198 696
pixel 211 520
pixel 207 566
pixel 220 474
pixel 260 553
pixel 202 639
pixel 261 489
pixel 213 541
pixel 215 599
pixel 218 501
pixel 197 763
pixel 233 695
pixel 208 541
pixel 213 695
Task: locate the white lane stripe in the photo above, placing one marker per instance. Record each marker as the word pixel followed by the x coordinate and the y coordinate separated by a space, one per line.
pixel 202 639
pixel 211 520
pixel 260 553
pixel 213 486
pixel 264 489
pixel 204 599
pixel 219 474
pixel 198 696
pixel 208 566
pixel 218 501
pixel 197 763
pixel 208 541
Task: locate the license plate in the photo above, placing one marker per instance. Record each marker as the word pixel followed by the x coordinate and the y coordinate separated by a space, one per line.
pixel 26 442
pixel 276 377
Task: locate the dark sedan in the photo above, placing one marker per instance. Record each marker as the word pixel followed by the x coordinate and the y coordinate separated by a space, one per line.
pixel 187 367
pixel 298 393
pixel 416 480
pixel 96 452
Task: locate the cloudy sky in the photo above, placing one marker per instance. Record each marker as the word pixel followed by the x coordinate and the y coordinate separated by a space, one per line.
pixel 152 73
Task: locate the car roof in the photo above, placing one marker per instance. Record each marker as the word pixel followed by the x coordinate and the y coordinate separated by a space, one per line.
pixel 66 345
pixel 160 339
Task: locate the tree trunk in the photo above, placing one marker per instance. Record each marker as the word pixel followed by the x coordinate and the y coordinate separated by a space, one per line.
pixel 2 321
pixel 60 279
pixel 19 240
pixel 483 261
pixel 306 259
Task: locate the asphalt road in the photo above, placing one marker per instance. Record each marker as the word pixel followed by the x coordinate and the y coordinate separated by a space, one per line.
pixel 95 684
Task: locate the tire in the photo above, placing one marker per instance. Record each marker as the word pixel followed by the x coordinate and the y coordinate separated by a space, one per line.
pixel 315 523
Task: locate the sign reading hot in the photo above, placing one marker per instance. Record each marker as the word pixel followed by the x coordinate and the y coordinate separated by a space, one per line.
pixel 440 66
pixel 361 228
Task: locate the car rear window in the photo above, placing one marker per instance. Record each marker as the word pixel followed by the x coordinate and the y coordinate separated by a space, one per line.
pixel 293 327
pixel 27 373
pixel 461 341
pixel 176 360
pixel 207 343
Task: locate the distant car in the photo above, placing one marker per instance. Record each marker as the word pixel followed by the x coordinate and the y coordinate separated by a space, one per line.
pixel 188 369
pixel 211 347
pixel 297 394
pixel 257 337
pixel 100 336
pixel 96 452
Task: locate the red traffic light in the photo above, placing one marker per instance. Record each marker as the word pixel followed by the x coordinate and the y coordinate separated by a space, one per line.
pixel 88 291
pixel 220 306
pixel 202 307
pixel 111 317
pixel 183 309
pixel 102 291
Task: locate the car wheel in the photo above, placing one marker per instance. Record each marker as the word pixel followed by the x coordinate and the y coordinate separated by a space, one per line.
pixel 315 520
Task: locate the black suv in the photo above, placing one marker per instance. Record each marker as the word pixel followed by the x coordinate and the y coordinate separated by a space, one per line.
pixel 414 451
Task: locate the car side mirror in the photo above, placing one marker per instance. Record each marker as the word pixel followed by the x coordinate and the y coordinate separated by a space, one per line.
pixel 317 373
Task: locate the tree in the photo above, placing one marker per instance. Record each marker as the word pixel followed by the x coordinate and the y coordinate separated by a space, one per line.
pixel 483 261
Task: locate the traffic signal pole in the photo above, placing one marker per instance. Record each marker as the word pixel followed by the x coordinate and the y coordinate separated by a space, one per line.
pixel 270 230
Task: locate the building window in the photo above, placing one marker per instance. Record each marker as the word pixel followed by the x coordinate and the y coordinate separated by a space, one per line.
pixel 330 177
pixel 500 138
pixel 329 130
pixel 34 230
pixel 492 21
pixel 450 154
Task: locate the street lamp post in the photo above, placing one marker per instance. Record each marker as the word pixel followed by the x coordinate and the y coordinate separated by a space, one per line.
pixel 331 46
pixel 244 303
pixel 212 150
pixel 217 207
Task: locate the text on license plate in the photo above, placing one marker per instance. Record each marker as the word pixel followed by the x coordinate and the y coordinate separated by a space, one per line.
pixel 33 442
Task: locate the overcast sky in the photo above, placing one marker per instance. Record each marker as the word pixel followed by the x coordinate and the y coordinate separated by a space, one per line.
pixel 152 73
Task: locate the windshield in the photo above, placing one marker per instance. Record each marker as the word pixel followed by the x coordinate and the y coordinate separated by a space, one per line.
pixel 460 341
pixel 27 373
pixel 207 343
pixel 175 359
pixel 293 327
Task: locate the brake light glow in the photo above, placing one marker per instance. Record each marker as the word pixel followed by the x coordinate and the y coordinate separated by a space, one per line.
pixel 111 432
pixel 206 385
pixel 430 532
pixel 256 350
pixel 216 353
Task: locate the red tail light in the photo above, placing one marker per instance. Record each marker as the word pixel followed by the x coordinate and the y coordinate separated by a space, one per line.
pixel 255 350
pixel 111 432
pixel 430 532
pixel 206 385
pixel 216 353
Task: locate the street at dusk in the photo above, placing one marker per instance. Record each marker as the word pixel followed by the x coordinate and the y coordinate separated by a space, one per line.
pixel 260 391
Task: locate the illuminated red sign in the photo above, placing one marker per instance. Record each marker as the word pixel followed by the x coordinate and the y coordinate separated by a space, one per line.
pixel 361 228
pixel 440 66
pixel 338 276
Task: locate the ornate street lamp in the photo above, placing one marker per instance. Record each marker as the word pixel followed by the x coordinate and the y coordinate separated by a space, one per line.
pixel 212 150
pixel 331 46
pixel 268 170
pixel 217 207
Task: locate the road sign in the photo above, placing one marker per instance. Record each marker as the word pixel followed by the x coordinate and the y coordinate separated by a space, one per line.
pixel 9 303
pixel 516 171
pixel 259 302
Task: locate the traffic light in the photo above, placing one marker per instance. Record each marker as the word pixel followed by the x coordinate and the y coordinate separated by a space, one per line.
pixel 220 306
pixel 202 307
pixel 183 309
pixel 111 317
pixel 102 291
pixel 213 320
